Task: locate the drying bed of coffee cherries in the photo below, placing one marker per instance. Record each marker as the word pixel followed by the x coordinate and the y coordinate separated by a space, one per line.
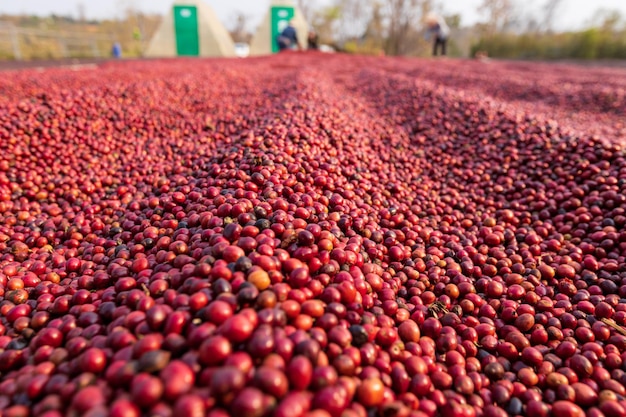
pixel 313 235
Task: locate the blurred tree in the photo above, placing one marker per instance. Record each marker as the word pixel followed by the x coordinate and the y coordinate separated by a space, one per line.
pixel 549 12
pixel 604 38
pixel 58 37
pixel 81 12
pixel 404 23
pixel 499 15
pixel 375 29
pixel 324 21
pixel 401 14
pixel 353 18
pixel 372 41
pixel 375 26
pixel 609 20
pixel 453 20
pixel 533 25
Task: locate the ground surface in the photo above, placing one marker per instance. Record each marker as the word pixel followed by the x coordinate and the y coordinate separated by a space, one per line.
pixel 432 237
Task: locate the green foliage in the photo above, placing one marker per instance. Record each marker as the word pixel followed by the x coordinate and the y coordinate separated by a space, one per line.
pixel 595 43
pixel 453 20
pixel 57 37
pixel 324 22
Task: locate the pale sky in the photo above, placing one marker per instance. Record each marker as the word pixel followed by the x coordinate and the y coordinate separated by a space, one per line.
pixel 572 14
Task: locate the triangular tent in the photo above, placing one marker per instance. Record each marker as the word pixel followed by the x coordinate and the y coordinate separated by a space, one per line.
pixel 191 28
pixel 280 12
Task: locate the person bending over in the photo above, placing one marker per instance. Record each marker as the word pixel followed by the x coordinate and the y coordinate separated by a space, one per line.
pixel 437 28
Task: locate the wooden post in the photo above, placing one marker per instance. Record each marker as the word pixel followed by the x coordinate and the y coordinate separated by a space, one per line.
pixel 94 48
pixel 15 43
pixel 63 45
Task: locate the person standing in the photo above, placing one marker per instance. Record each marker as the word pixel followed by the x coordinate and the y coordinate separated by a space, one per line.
pixel 312 40
pixel 437 28
pixel 116 50
pixel 288 39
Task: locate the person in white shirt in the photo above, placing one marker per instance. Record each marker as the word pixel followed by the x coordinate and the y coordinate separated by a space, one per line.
pixel 436 26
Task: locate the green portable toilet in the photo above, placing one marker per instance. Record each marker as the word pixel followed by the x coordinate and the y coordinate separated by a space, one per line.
pixel 277 18
pixel 186 30
pixel 191 28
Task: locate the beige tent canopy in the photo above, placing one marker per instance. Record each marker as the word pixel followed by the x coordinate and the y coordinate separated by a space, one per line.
pixel 191 28
pixel 279 13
